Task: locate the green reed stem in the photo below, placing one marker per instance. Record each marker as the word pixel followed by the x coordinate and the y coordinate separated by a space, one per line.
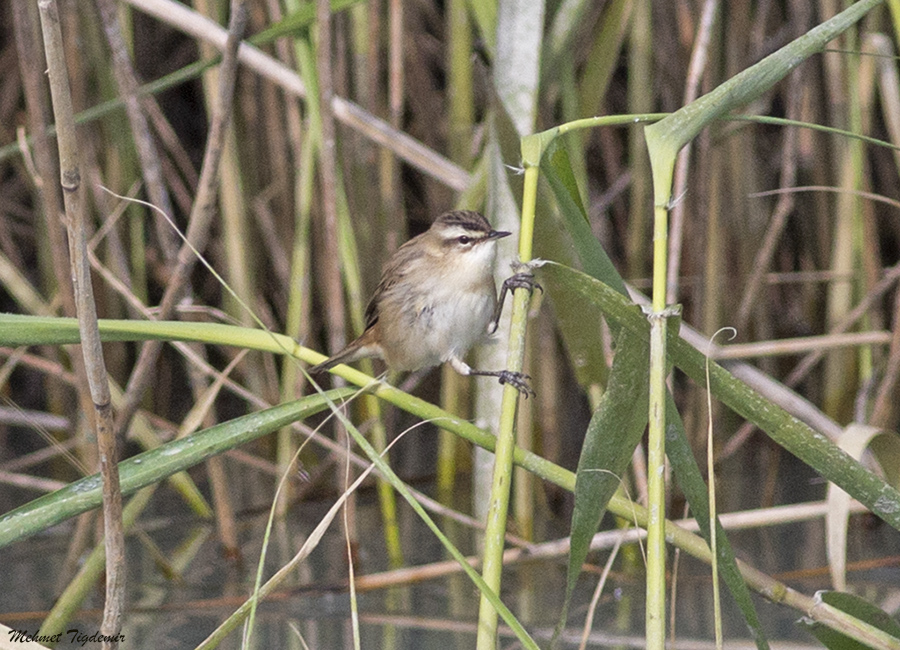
pixel 498 507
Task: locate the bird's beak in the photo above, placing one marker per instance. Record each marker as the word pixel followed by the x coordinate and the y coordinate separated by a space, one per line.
pixel 498 234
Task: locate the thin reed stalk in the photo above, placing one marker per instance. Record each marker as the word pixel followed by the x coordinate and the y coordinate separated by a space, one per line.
pixel 70 174
pixel 498 506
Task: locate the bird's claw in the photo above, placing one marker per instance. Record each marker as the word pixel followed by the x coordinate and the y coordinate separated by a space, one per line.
pixel 523 280
pixel 517 380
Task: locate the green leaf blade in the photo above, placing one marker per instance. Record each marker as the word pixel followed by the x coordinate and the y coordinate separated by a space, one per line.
pixel 155 465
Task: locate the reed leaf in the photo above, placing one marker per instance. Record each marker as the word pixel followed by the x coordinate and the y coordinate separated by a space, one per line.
pixel 154 465
pixel 796 437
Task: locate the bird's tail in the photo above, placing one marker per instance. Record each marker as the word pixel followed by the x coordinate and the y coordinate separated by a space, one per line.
pixel 328 364
pixel 358 349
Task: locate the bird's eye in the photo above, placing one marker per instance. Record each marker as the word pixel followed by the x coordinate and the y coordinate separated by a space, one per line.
pixel 464 240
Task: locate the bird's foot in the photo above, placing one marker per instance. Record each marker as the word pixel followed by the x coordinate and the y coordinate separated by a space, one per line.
pixel 522 280
pixel 517 380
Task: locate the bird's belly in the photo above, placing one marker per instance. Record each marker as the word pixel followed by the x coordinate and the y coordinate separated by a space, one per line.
pixel 438 329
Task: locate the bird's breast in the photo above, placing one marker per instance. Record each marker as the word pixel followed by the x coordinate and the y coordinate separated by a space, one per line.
pixel 435 325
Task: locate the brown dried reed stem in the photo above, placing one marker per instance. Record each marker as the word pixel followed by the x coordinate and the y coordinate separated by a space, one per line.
pixel 39 112
pixel 92 350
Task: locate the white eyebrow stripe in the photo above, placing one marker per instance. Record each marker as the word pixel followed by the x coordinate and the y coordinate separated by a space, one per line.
pixel 458 231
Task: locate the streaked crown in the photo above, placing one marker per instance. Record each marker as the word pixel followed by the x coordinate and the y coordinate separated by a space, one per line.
pixel 465 229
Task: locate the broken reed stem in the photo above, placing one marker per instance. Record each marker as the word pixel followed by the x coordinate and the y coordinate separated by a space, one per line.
pixel 200 219
pixel 92 350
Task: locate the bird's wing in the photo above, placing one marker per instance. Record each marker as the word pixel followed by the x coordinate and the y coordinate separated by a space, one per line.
pixel 395 270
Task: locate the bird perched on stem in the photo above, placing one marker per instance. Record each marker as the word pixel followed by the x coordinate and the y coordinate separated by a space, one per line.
pixel 436 299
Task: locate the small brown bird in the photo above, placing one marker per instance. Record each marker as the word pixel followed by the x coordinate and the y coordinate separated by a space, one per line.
pixel 436 299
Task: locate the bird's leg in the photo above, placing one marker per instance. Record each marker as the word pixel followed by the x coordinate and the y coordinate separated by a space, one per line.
pixel 517 380
pixel 518 281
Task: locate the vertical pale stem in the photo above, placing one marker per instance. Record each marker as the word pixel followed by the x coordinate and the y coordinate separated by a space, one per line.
pixel 656 457
pixel 498 507
pixel 656 446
